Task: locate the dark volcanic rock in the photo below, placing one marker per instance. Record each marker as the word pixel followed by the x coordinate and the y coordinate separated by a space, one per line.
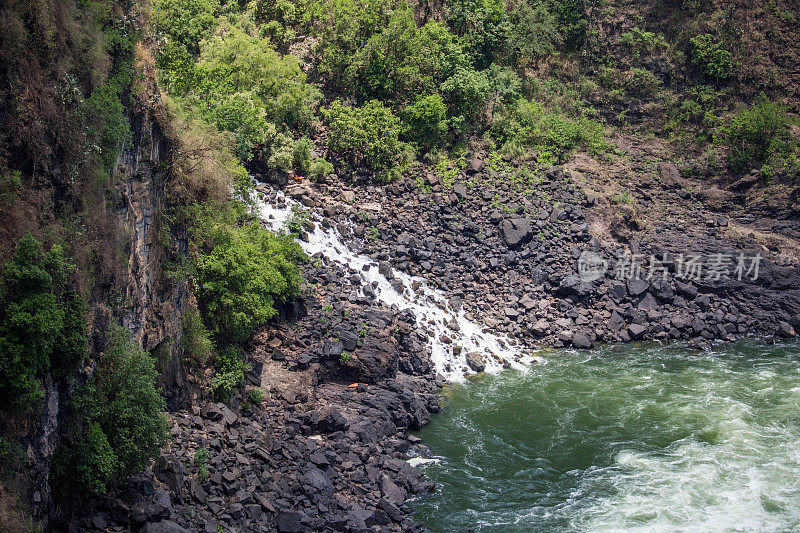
pixel 515 232
pixel 475 362
pixel 582 340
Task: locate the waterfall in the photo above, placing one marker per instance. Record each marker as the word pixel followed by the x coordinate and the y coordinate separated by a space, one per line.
pixel 448 329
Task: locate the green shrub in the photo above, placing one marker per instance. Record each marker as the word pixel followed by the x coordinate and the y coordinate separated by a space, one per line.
pixel 123 424
pixel 641 80
pixel 364 135
pixel 201 462
pixel 195 342
pixel 572 22
pixel 242 271
pixel 711 57
pixel 185 22
pixel 279 19
pixel 11 457
pixel 758 135
pixel 552 134
pixel 105 117
pixel 42 323
pixel 644 44
pixel 256 396
pixel 301 155
pixel 229 369
pixel 483 25
pixel 533 32
pixel 466 93
pixel 235 64
pixel 320 168
pixel 344 28
pixel 425 121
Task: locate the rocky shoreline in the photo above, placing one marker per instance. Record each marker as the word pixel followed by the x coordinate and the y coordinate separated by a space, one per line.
pixel 345 378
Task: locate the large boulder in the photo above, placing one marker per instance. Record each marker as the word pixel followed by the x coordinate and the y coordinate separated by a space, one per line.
pixel 785 329
pixel 515 232
pixel 475 362
pixel 540 328
pixel 636 330
pixel 574 285
pixel 582 341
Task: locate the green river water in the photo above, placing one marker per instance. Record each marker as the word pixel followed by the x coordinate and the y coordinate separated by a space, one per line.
pixel 629 438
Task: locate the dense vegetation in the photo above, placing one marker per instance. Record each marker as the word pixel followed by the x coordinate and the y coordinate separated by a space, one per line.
pixel 120 425
pixel 42 322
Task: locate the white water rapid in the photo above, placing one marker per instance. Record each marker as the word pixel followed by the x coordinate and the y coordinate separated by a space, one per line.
pixel 446 328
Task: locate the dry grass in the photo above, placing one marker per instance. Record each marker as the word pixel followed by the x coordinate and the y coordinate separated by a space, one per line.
pixel 13 516
pixel 786 248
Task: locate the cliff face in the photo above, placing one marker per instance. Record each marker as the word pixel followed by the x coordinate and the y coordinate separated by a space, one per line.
pixel 154 303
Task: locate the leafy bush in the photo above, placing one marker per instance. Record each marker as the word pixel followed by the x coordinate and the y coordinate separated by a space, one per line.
pixel 483 25
pixel 201 462
pixel 552 134
pixel 467 92
pixel 123 424
pixel 425 121
pixel 572 22
pixel 301 155
pixel 235 65
pixel 320 168
pixel 641 80
pixel 368 134
pixel 229 369
pixel 196 342
pixel 758 135
pixel 256 396
pixel 280 17
pixel 242 271
pixel 711 57
pixel 344 28
pixel 533 31
pixel 186 22
pixel 42 323
pixel 644 44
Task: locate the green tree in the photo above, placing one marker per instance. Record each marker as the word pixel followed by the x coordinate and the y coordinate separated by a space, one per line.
pixel 242 273
pixel 368 134
pixel 123 425
pixel 41 321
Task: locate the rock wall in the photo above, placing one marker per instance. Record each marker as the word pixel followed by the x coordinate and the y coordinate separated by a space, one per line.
pixel 154 303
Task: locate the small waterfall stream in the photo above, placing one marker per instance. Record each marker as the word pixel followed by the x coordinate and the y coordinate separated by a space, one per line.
pixel 447 328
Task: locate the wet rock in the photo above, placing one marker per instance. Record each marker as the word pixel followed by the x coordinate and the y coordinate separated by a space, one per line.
pixel 785 330
pixel 616 322
pixel 582 341
pixel 475 361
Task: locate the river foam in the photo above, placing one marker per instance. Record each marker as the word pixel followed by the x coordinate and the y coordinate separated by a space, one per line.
pixel 634 439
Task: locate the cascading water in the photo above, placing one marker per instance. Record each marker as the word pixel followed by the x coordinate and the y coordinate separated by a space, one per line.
pixel 447 328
